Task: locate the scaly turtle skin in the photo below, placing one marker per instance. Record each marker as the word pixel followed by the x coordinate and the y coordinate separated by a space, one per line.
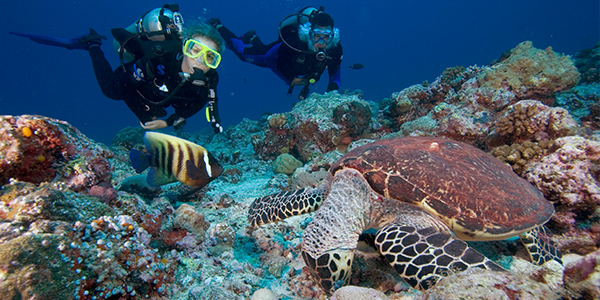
pixel 424 196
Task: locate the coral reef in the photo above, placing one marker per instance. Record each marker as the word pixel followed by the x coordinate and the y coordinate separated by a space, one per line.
pixel 316 125
pixel 583 102
pixel 66 233
pixel 569 176
pixel 531 73
pixel 588 64
pixel 30 146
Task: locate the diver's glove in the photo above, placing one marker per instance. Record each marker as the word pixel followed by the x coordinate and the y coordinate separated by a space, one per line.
pixel 332 86
pixel 174 120
pixel 217 128
pixel 215 22
pixel 92 39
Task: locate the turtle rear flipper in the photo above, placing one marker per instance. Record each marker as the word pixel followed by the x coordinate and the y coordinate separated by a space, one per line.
pixel 540 248
pixel 424 256
pixel 279 206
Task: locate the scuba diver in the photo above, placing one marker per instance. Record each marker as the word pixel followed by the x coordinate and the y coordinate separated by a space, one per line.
pixel 308 44
pixel 162 64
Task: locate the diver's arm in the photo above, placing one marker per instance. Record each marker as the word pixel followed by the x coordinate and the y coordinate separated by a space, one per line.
pixel 106 78
pixel 285 64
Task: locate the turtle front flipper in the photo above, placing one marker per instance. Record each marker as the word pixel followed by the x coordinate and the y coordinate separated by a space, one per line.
pixel 424 256
pixel 279 206
pixel 329 241
pixel 539 246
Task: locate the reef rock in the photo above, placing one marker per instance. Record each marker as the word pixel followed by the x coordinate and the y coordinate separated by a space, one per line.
pixel 477 283
pixel 582 277
pixel 286 164
pixel 351 292
pixel 188 218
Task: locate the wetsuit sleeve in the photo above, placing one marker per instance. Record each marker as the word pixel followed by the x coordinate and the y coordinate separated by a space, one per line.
pixel 110 82
pixel 335 76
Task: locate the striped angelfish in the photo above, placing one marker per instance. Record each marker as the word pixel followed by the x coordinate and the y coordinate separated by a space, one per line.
pixel 173 159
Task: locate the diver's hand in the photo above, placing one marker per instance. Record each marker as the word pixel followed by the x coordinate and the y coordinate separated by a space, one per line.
pixel 217 128
pixel 153 125
pixel 299 81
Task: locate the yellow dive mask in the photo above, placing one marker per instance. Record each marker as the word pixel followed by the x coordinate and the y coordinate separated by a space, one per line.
pixel 196 50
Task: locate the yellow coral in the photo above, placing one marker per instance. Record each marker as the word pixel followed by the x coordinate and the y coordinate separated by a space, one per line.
pixel 520 154
pixel 530 119
pixel 26 131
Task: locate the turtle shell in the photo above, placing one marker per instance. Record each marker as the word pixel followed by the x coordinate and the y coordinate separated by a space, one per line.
pixel 475 194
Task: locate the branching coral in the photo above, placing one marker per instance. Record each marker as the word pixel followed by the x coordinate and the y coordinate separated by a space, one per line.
pixel 453 76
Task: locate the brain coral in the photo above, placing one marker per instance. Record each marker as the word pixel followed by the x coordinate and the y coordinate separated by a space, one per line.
pixel 532 73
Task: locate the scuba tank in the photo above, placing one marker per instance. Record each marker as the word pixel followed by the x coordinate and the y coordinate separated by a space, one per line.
pixel 291 23
pixel 155 33
pixel 300 17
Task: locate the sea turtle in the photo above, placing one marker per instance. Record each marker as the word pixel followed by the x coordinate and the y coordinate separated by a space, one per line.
pixel 423 196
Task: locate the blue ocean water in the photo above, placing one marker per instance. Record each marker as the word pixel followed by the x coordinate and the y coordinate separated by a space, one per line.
pixel 400 43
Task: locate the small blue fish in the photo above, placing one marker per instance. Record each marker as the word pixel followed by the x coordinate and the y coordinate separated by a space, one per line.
pixel 357 66
pixel 173 159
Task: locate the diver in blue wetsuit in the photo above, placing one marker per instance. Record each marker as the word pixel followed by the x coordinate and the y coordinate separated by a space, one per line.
pixel 308 44
pixel 162 65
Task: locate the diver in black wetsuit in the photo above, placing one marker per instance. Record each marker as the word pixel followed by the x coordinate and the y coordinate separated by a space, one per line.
pixel 308 44
pixel 170 66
